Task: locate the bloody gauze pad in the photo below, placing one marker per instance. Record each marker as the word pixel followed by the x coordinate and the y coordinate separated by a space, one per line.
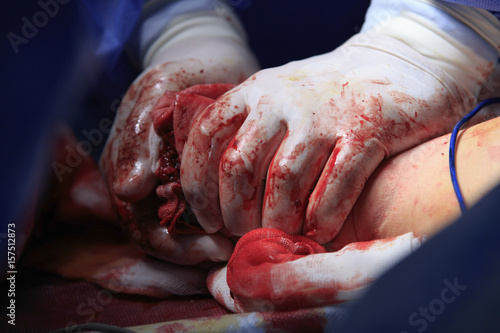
pixel 255 265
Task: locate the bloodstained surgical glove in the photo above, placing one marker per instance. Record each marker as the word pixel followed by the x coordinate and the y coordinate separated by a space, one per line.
pixel 138 163
pixel 292 147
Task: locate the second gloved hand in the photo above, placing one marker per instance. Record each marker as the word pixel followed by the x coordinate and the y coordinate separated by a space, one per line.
pixel 200 47
pixel 292 147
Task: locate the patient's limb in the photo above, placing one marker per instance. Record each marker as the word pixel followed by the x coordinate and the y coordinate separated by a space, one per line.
pixel 413 190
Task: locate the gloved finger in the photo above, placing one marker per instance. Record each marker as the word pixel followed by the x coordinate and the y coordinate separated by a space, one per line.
pixel 144 230
pixel 339 185
pixel 101 255
pixel 243 171
pixel 109 157
pixel 189 103
pixel 292 174
pixel 271 268
pixel 211 133
pixel 134 177
pixel 190 249
pixel 217 284
pixel 136 148
pixel 173 117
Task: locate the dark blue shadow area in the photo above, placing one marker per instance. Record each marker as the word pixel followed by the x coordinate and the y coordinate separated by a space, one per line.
pixel 281 31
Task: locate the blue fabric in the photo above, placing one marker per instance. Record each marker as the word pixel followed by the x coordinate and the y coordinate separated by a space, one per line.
pixel 492 5
pixel 281 31
pixel 485 4
pixel 110 23
pixel 57 53
pixel 33 67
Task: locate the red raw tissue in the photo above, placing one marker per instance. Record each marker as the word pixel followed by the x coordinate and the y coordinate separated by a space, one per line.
pixel 173 116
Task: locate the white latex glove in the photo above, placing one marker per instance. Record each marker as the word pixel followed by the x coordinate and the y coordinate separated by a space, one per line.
pixel 292 147
pixel 196 48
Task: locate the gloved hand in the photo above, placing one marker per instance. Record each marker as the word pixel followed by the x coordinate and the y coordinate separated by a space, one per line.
pixel 292 147
pixel 407 199
pixel 76 237
pixel 195 48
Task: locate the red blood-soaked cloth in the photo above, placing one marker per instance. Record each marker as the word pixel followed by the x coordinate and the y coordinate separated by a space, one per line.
pixel 258 252
pixel 270 269
pixel 173 116
pixel 256 255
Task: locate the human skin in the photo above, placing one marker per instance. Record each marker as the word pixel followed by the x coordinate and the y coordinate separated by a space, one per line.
pixel 413 190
